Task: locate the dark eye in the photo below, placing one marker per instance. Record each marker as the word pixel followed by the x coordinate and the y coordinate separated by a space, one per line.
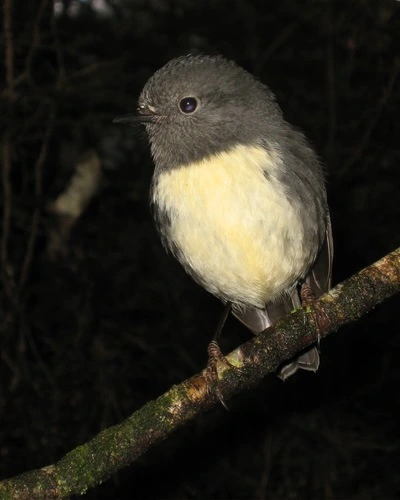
pixel 188 104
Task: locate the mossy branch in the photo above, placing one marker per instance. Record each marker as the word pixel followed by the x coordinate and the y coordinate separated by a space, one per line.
pixel 95 461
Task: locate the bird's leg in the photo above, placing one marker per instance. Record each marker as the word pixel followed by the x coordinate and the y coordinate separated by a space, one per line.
pixel 308 298
pixel 215 355
pixel 214 351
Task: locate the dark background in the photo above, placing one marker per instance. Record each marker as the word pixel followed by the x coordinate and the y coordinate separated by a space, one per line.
pixel 96 325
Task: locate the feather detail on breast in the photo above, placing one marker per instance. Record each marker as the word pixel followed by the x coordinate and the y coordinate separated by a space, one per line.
pixel 320 279
pixel 232 226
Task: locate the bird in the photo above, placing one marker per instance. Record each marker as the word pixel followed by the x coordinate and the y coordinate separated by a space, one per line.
pixel 238 193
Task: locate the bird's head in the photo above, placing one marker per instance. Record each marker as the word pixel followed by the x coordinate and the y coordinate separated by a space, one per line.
pixel 196 106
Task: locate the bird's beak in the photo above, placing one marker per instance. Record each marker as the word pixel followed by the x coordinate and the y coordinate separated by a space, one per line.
pixel 134 119
pixel 143 115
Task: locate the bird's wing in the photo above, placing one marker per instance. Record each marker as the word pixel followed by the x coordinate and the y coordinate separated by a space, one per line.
pixel 320 277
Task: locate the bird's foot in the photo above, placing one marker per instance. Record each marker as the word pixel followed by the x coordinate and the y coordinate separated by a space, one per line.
pixel 215 357
pixel 308 299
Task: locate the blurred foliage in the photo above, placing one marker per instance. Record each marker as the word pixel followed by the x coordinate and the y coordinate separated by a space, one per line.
pixel 90 335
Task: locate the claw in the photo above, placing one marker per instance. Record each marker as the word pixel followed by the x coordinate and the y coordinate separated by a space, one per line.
pixel 214 357
pixel 319 315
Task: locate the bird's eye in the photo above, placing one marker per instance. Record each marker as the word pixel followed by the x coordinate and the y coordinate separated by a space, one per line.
pixel 188 105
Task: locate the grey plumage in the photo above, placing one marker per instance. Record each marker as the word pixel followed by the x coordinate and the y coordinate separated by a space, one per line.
pixel 222 84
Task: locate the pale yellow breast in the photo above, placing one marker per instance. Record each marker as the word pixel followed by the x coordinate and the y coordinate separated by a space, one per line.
pixel 234 225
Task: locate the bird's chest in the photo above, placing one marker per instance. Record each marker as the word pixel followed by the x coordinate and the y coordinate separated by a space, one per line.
pixel 231 226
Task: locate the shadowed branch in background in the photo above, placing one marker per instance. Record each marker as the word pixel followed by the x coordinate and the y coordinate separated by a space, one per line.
pixel 7 272
pixel 69 206
pixel 92 463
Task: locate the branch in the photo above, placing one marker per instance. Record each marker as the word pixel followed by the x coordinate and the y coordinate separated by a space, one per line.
pixel 95 461
pixel 9 46
pixel 36 37
pixel 7 146
pixel 27 262
pixel 69 206
pixel 7 274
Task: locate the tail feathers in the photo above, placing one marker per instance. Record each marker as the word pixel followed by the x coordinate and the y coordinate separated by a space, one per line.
pixel 309 361
pixel 257 320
